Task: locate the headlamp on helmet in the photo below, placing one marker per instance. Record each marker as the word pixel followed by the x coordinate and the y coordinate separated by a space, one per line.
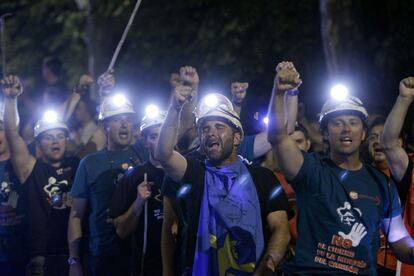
pixel 50 120
pixel 115 105
pixel 153 117
pixel 217 105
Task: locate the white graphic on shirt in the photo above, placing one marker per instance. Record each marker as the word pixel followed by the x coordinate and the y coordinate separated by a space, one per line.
pixel 356 234
pixel 56 195
pixel 8 197
pixel 346 213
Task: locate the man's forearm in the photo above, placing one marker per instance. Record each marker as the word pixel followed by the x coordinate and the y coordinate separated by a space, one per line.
pixel 278 243
pixel 395 121
pixel 74 236
pixel 276 116
pixel 168 134
pixel 10 117
pixel 291 112
pixel 127 223
pixel 404 250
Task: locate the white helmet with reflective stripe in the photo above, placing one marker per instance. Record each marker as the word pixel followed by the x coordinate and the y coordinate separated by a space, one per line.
pixel 218 105
pixel 335 107
pixel 115 105
pixel 49 121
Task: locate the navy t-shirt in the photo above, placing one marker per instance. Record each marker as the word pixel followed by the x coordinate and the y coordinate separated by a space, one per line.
pixel 96 179
pixel 339 217
pixel 12 215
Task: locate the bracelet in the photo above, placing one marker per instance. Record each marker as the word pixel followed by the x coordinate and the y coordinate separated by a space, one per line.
pixel 73 260
pixel 293 92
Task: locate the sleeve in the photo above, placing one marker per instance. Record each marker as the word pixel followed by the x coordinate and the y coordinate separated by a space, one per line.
pixel 80 187
pixel 404 185
pixel 274 195
pixel 193 173
pixel 393 208
pixel 169 187
pixel 246 148
pixel 308 175
pixel 123 197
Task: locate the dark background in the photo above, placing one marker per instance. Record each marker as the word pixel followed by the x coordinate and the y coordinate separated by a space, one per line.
pixel 367 45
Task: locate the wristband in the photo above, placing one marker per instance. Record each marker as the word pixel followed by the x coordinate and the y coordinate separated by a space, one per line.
pixel 293 92
pixel 73 260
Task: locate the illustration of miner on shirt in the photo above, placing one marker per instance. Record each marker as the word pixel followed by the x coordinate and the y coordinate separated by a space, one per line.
pixel 58 194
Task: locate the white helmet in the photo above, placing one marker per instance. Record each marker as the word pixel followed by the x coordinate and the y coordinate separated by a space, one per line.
pixel 49 121
pixel 349 104
pixel 151 120
pixel 218 105
pixel 115 105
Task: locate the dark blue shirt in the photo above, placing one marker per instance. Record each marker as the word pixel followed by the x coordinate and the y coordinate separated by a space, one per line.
pixel 339 216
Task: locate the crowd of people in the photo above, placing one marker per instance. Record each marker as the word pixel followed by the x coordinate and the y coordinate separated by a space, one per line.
pixel 186 191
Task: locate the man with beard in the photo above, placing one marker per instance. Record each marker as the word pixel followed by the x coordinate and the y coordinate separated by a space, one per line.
pixel 48 181
pixel 12 212
pixel 400 163
pixel 341 201
pixel 229 205
pixel 137 204
pixel 96 179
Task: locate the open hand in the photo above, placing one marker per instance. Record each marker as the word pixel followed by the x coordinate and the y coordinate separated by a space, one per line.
pixel 357 233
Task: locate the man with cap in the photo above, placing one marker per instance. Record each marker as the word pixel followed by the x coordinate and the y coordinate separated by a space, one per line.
pixel 137 204
pixel 96 179
pixel 230 205
pixel 48 181
pixel 341 201
pixel 13 219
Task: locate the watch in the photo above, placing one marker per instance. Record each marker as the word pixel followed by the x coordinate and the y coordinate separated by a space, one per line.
pixel 73 260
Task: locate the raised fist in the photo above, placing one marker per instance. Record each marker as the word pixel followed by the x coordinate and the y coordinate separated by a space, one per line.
pixel 106 83
pixel 144 190
pixel 189 76
pixel 182 94
pixel 287 78
pixel 239 91
pixel 407 87
pixel 83 85
pixel 12 87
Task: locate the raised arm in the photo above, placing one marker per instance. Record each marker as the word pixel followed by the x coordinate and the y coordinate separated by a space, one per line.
pixel 174 164
pixel 189 77
pixel 81 89
pixel 287 153
pixel 396 156
pixel 23 162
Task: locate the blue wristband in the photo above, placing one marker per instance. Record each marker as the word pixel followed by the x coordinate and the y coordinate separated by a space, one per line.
pixel 293 92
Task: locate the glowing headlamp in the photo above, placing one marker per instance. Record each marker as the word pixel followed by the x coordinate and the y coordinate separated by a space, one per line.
pixel 211 100
pixel 266 120
pixel 119 100
pixel 152 111
pixel 50 116
pixel 339 92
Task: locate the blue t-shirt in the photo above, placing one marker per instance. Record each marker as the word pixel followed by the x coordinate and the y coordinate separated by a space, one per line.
pixel 96 179
pixel 339 217
pixel 13 217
